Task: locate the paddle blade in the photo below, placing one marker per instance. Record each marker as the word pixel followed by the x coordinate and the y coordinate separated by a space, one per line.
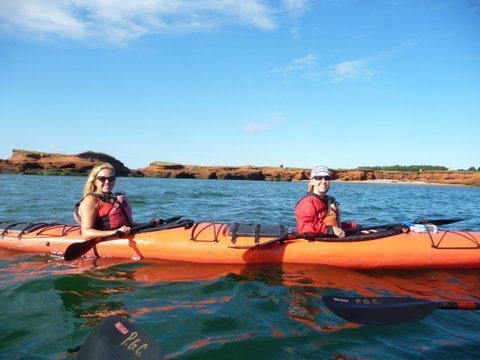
pixel 75 250
pixel 379 311
pixel 439 221
pixel 116 338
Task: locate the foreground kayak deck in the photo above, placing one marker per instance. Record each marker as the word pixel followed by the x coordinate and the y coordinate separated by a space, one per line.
pixel 213 243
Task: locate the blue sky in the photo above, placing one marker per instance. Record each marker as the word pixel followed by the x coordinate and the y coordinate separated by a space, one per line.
pixel 344 83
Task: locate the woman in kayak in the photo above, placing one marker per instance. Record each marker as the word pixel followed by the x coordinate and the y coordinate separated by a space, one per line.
pixel 101 212
pixel 317 213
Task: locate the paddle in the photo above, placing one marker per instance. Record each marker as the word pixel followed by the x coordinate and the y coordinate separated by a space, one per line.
pixel 390 310
pixel 425 221
pixel 438 221
pixel 116 338
pixel 75 250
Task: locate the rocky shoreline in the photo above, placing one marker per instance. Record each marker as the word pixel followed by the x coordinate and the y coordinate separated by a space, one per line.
pixel 32 162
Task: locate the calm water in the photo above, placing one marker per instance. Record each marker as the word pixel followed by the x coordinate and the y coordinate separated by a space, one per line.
pixel 236 312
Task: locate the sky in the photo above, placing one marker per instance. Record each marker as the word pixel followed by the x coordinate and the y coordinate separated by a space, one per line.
pixel 298 83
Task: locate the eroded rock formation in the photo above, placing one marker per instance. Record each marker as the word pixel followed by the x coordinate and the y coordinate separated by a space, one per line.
pixel 31 162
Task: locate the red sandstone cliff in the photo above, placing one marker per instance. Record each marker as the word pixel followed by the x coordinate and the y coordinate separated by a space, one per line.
pixel 169 170
pixel 23 161
pixel 439 177
pixel 159 169
pixel 32 162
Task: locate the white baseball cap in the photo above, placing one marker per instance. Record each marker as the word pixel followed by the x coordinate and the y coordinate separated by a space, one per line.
pixel 320 171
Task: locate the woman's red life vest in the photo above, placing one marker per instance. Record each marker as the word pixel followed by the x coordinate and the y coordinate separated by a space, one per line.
pixel 315 213
pixel 113 212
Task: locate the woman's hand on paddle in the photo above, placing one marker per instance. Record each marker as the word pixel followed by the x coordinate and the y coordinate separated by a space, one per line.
pixel 125 230
pixel 338 232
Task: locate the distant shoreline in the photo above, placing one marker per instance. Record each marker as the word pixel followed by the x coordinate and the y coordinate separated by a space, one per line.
pixel 32 162
pixel 338 181
pixel 395 182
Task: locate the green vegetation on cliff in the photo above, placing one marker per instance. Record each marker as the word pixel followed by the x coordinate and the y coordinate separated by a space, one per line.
pixel 30 152
pixel 411 168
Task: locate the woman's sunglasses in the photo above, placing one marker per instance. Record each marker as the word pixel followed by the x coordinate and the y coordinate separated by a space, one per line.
pixel 320 178
pixel 105 178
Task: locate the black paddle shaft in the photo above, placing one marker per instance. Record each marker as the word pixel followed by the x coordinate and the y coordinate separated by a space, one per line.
pixel 439 221
pixel 425 221
pixel 458 305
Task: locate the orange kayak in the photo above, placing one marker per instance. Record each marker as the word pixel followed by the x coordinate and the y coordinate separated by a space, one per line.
pixel 220 243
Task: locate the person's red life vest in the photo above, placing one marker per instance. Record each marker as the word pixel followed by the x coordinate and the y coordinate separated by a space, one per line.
pixel 315 213
pixel 113 212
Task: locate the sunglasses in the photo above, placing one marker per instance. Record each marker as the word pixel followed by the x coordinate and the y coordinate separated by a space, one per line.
pixel 105 178
pixel 320 178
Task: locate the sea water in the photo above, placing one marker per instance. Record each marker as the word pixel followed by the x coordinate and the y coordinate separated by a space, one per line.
pixel 266 311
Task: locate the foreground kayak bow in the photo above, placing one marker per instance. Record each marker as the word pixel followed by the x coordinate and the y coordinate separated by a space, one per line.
pixel 390 310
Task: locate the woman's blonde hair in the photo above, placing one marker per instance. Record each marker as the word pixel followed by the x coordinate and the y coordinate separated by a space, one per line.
pixel 310 188
pixel 90 184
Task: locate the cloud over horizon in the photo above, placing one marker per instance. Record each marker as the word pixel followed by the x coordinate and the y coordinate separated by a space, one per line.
pixel 121 22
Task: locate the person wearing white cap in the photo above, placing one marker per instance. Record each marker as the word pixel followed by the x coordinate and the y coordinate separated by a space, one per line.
pixel 316 212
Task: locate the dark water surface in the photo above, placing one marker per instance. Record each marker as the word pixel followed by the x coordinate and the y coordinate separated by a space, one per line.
pixel 230 311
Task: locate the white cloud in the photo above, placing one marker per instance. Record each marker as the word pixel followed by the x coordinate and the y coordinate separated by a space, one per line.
pixel 296 5
pixel 351 70
pixel 45 18
pixel 121 21
pixel 361 68
pixel 254 127
pixel 308 67
pixel 348 70
pixel 298 65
